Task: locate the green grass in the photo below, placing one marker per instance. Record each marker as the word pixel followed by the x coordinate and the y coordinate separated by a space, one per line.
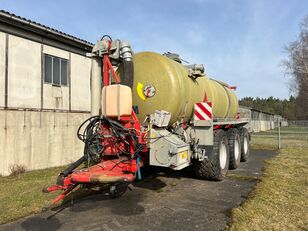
pixel 22 195
pixel 280 200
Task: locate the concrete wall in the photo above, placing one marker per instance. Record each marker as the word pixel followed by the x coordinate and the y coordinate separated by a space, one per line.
pixel 260 121
pixel 2 67
pixel 39 139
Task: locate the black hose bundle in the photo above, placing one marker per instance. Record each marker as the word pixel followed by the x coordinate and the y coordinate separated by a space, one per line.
pixel 92 136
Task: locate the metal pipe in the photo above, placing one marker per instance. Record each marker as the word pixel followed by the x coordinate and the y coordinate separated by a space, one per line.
pixel 126 51
pixel 196 67
pixel 279 135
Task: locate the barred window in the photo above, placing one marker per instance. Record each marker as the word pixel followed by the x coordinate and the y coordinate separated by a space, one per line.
pixel 55 70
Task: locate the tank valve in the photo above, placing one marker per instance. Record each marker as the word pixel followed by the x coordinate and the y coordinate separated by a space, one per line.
pixel 195 70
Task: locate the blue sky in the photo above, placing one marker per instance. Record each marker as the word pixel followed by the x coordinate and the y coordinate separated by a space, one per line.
pixel 240 42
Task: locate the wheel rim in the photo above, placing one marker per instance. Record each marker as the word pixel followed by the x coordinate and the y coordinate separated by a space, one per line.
pixel 236 149
pixel 222 155
pixel 245 145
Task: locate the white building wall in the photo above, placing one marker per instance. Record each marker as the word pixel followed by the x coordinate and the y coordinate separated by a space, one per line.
pixel 24 73
pixel 34 138
pixel 80 79
pixel 40 139
pixel 56 52
pixel 55 97
pixel 2 68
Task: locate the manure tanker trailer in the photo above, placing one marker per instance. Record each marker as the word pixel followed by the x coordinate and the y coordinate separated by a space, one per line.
pixel 150 109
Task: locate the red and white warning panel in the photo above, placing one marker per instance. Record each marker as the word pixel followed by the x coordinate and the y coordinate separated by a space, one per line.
pixel 203 111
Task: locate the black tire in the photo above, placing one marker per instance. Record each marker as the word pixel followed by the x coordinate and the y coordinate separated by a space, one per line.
pixel 245 148
pixel 210 168
pixel 119 190
pixel 234 141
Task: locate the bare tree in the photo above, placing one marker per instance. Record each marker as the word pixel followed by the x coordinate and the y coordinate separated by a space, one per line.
pixel 297 67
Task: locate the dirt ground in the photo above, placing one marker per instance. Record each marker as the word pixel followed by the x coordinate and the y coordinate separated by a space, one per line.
pixel 164 200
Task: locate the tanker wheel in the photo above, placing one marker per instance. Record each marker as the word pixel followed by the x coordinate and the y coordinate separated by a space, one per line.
pixel 234 141
pixel 216 165
pixel 245 149
pixel 117 190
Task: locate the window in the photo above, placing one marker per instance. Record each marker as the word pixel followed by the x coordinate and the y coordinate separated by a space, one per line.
pixel 55 70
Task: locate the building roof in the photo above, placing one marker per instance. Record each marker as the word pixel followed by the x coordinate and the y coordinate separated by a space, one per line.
pixel 46 31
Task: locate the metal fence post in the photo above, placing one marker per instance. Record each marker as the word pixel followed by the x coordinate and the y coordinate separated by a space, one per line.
pixel 279 125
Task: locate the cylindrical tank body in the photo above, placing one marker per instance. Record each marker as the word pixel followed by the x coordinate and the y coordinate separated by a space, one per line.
pixel 161 83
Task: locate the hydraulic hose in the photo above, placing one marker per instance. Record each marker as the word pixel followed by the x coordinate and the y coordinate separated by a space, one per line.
pixel 69 170
pixel 128 73
pixel 74 165
pixel 128 65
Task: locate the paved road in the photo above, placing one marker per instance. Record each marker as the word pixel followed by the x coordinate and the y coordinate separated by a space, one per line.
pixel 162 201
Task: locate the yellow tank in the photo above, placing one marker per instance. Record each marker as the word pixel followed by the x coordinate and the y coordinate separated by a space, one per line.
pixel 161 83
